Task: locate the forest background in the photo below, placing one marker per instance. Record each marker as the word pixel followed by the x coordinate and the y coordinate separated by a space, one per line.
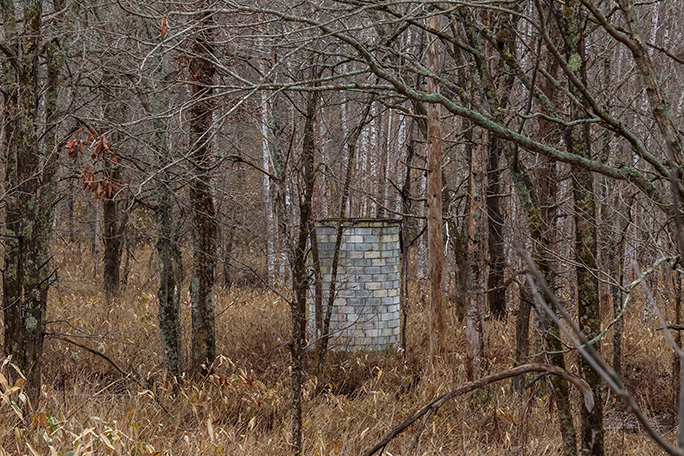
pixel 163 166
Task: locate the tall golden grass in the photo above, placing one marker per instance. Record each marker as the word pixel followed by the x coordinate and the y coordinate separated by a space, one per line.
pixel 88 407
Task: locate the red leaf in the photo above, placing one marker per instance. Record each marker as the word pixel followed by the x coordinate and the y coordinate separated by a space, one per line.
pixel 164 27
pixel 74 147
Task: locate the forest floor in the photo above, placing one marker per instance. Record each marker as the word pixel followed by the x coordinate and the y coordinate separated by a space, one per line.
pixel 88 407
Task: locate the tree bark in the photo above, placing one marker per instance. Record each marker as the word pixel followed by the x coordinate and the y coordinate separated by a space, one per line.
pixel 497 261
pixel 204 226
pixel 168 254
pixel 30 170
pixel 300 282
pixel 578 141
pixel 167 293
pixel 114 220
pixel 438 347
pixel 475 245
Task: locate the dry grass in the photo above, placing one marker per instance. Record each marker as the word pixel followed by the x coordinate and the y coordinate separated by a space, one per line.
pixel 89 408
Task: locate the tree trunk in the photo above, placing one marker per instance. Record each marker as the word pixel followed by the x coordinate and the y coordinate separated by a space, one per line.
pixel 268 201
pixel 168 258
pixel 300 282
pixel 204 226
pixel 169 302
pixel 676 362
pixel 497 261
pixel 114 225
pixel 473 315
pixel 522 335
pixel 578 141
pixel 30 171
pixel 438 347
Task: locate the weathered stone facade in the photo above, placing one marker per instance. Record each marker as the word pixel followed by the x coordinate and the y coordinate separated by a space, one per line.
pixel 366 311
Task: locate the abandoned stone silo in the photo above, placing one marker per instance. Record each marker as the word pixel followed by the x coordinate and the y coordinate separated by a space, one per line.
pixel 366 310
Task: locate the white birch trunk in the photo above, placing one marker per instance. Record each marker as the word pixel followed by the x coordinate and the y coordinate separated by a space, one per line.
pixel 268 203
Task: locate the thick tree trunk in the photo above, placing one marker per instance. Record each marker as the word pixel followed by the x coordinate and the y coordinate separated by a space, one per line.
pixel 588 302
pixel 475 247
pixel 497 261
pixel 168 259
pixel 578 141
pixel 167 293
pixel 30 171
pixel 204 226
pixel 114 226
pixel 438 347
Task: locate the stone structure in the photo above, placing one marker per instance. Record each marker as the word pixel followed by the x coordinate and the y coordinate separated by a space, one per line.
pixel 366 312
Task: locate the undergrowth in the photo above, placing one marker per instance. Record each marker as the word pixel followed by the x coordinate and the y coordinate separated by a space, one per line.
pixel 88 406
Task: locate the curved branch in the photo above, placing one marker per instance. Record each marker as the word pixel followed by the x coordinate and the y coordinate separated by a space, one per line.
pixel 433 406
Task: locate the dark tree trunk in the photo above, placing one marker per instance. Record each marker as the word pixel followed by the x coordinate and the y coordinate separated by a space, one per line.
pixel 168 255
pixel 522 336
pixel 497 261
pixel 167 268
pixel 30 170
pixel 300 282
pixel 204 226
pixel 114 221
pixel 578 141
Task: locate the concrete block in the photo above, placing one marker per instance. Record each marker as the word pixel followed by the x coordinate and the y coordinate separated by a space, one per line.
pixel 389 238
pixel 346 293
pixel 372 254
pixel 358 260
pixel 354 270
pixel 382 278
pixel 373 285
pixel 380 294
pixel 366 293
pixel 388 301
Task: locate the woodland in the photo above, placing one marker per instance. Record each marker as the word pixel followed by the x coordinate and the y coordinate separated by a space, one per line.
pixel 163 166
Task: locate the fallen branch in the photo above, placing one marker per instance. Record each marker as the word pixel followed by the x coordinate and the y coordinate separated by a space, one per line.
pixel 126 375
pixel 433 406
pixel 96 353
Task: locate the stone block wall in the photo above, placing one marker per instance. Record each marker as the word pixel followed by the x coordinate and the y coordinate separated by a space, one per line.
pixel 366 310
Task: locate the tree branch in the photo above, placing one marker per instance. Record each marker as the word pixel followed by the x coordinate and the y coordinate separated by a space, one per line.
pixel 433 406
